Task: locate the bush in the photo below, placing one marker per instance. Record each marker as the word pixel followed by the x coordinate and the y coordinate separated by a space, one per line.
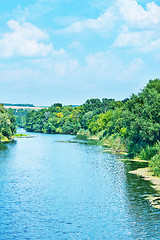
pixel 83 132
pixel 148 153
pixel 155 164
pixel 101 134
pixel 116 142
pixel 93 127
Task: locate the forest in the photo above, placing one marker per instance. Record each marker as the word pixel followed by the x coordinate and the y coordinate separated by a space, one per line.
pixel 131 125
pixel 7 124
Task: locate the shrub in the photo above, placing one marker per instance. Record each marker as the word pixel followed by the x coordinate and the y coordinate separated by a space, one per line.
pixel 116 142
pixel 148 153
pixel 101 134
pixel 83 132
pixel 155 164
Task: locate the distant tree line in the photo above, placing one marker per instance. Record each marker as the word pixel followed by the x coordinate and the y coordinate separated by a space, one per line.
pixel 19 104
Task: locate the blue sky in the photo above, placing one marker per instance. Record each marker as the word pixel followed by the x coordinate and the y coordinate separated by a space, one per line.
pixel 69 50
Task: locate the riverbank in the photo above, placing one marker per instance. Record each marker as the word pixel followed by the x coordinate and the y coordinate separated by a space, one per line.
pixel 148 175
pixel 145 173
pixel 112 144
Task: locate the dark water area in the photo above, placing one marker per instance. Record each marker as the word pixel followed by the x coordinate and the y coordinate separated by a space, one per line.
pixel 65 187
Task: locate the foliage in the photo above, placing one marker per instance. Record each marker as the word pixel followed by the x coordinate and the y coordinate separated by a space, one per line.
pixel 7 124
pixel 83 132
pixel 116 143
pixel 155 160
pixel 20 115
pixel 148 152
pixel 155 164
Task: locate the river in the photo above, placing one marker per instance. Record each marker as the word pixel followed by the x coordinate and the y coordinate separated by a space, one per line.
pixel 65 187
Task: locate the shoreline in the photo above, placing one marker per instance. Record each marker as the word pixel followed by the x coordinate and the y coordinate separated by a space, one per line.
pixel 145 173
pixel 106 145
pixel 148 175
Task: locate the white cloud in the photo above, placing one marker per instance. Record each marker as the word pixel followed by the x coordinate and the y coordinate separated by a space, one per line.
pixel 100 24
pixel 25 40
pixel 134 39
pixel 68 67
pixel 27 30
pixel 99 67
pixel 126 11
pixel 135 13
pixel 105 65
pixel 143 41
pixel 141 29
pixel 140 26
pixel 99 70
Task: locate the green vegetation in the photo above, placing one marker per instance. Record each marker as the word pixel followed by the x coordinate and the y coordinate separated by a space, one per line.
pixel 7 124
pixel 131 125
pixel 20 115
pixel 19 135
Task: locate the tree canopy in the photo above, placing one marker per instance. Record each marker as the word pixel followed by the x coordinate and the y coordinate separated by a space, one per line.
pixel 7 124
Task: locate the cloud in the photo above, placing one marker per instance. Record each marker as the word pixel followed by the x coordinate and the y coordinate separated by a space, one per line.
pixel 106 65
pixel 125 11
pixel 139 26
pixel 25 40
pixel 66 68
pixel 100 24
pixel 127 23
pixel 143 40
pixel 97 76
pixel 27 30
pixel 98 68
pixel 135 13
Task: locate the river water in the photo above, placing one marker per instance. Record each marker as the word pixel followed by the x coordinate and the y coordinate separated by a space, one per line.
pixel 64 187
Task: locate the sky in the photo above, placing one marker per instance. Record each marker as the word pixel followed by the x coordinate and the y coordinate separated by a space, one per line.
pixel 69 51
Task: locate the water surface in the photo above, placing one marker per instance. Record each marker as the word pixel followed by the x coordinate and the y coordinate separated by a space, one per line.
pixel 63 187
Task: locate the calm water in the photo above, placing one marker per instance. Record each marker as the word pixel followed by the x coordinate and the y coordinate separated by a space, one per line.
pixel 62 187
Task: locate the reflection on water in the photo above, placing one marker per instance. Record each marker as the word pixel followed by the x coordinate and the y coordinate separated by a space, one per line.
pixel 65 187
pixel 3 147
